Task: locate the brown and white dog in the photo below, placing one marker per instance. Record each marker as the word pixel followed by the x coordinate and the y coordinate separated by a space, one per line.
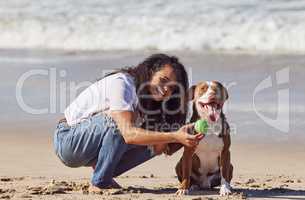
pixel 208 165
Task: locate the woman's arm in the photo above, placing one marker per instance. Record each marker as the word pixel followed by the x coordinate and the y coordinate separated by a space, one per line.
pixel 139 136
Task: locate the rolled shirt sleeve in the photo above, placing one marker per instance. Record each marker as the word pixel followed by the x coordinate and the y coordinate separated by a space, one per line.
pixel 122 95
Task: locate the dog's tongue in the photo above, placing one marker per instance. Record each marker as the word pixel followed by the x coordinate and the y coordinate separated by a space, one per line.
pixel 213 113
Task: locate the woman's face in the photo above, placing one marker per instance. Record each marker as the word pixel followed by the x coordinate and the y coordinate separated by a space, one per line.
pixel 162 83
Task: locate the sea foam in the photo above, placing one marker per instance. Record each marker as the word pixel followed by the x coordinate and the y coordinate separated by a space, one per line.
pixel 239 25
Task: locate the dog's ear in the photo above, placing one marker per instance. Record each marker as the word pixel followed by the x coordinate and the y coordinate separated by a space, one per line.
pixel 190 93
pixel 226 94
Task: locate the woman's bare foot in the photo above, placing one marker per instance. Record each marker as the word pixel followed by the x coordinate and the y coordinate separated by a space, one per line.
pixel 95 190
pixel 98 190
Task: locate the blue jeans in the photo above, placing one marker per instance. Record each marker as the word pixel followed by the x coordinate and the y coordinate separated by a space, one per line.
pixel 98 142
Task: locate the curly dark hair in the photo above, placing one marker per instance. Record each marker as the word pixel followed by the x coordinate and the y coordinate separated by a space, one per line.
pixel 143 73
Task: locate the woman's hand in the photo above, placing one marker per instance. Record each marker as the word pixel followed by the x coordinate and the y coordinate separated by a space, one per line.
pixel 183 135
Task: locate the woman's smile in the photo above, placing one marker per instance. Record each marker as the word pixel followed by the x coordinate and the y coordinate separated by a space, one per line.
pixel 159 85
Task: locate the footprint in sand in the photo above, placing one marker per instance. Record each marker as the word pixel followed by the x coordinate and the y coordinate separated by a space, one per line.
pixel 58 188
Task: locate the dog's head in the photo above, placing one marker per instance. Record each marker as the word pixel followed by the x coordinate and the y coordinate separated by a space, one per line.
pixel 208 99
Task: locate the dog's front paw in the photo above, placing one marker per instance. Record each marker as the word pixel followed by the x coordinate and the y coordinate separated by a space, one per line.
pixel 181 192
pixel 225 189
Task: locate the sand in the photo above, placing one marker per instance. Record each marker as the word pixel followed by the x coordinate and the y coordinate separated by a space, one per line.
pixel 30 170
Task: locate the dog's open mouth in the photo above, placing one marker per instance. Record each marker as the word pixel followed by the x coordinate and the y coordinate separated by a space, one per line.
pixel 212 109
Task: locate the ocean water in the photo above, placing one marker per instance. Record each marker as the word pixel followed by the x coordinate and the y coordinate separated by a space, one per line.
pixel 264 116
pixel 274 26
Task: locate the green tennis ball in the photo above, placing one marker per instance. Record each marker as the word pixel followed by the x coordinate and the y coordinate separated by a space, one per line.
pixel 201 126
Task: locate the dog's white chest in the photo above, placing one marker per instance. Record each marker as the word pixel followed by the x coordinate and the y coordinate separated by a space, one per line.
pixel 208 152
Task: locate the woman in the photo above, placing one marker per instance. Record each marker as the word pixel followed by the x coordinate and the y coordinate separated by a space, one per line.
pixel 125 119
